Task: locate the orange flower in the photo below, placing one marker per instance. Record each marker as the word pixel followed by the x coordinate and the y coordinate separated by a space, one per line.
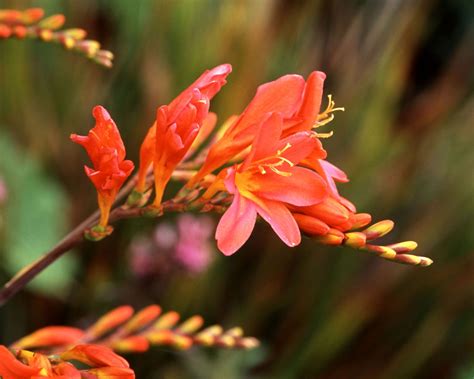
pixel 266 183
pixel 176 128
pixel 297 101
pixel 94 356
pixel 11 368
pixel 107 153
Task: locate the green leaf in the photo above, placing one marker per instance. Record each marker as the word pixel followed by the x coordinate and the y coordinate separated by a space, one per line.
pixel 35 219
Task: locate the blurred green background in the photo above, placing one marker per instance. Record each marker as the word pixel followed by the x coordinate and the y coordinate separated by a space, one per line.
pixel 404 72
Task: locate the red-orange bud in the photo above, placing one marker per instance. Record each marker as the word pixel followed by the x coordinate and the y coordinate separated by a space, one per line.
pixel 52 22
pixel 142 318
pixel 107 153
pixel 110 320
pixel 50 336
pixel 311 225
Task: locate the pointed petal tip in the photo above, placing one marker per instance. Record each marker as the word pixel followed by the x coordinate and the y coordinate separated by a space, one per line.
pixel 100 113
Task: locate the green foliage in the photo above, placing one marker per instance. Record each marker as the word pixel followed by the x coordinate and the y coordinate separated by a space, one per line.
pixel 35 218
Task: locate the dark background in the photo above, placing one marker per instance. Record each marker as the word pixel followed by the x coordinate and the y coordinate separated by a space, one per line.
pixel 403 71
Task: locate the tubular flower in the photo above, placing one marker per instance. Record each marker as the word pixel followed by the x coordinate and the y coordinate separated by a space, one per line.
pixel 11 368
pixel 266 183
pixel 176 127
pixel 297 101
pixel 107 153
pixel 103 363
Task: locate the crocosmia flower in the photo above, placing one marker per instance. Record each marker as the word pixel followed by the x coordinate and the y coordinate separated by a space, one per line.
pixel 176 127
pixel 267 183
pixel 11 368
pixel 107 153
pixel 298 101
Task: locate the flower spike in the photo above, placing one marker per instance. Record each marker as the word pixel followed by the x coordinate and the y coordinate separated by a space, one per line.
pixel 31 24
pixel 119 331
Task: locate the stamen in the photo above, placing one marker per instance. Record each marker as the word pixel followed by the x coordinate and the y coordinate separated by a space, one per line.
pixel 327 116
pixel 324 135
pixel 265 162
pixel 281 173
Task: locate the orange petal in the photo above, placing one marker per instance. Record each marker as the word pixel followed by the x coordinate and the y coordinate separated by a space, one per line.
pixel 11 368
pixel 94 356
pixel 236 225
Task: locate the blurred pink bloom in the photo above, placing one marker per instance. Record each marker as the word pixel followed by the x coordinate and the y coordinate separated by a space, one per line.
pixel 193 250
pixel 185 245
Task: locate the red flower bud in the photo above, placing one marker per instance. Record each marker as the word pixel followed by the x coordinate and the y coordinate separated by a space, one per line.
pixel 107 153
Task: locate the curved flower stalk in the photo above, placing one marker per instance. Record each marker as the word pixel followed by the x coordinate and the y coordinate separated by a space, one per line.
pixel 124 331
pixel 272 164
pixel 176 127
pixel 51 351
pixel 31 24
pixel 107 153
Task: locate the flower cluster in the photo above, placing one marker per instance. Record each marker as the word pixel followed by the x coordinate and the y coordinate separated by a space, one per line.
pixel 51 351
pixel 31 24
pixel 267 162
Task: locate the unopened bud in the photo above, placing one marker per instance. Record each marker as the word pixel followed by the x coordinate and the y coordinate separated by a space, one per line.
pixel 76 33
pixel 359 220
pixel 89 47
pixel 20 31
pixel 136 344
pixel 249 343
pixel 168 320
pixel 404 247
pixel 226 341
pixel 190 325
pixel 181 342
pixel 160 337
pixel 46 35
pixel 381 251
pixel 334 237
pixel 142 318
pixel 355 239
pixel 5 31
pixel 311 225
pixel 110 320
pixel 52 22
pixel 32 15
pixel 379 229
pixel 235 332
pixel 413 260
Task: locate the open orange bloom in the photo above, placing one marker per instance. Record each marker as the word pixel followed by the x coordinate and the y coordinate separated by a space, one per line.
pixel 107 153
pixel 297 101
pixel 103 362
pixel 11 368
pixel 266 183
pixel 176 128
